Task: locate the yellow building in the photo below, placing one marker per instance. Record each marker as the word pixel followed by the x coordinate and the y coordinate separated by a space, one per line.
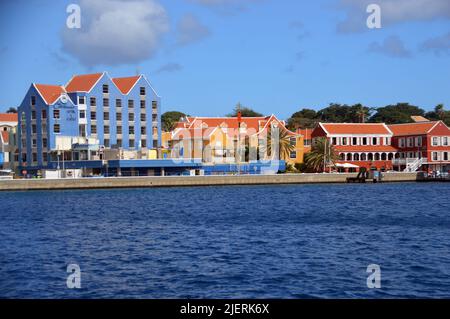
pixel 226 140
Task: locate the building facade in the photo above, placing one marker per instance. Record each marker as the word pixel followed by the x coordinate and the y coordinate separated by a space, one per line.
pixel 359 144
pixel 83 119
pixel 229 140
pixel 423 146
pixel 8 126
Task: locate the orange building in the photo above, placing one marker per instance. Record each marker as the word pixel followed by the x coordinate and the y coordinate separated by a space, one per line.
pixel 226 140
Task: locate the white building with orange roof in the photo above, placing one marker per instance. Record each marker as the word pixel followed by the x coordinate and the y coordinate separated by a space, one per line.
pixel 8 125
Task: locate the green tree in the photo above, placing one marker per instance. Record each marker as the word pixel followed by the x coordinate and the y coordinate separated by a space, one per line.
pixel 285 148
pixel 305 118
pixel 322 153
pixel 245 112
pixel 11 110
pixel 396 114
pixel 169 120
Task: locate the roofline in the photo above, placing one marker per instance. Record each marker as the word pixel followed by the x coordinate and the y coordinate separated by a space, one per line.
pixel 322 125
pixel 102 74
pixel 414 123
pixel 437 122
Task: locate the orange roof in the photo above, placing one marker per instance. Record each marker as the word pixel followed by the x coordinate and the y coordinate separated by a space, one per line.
pixel 365 148
pixel 126 84
pixel 5 137
pixel 356 128
pixel 50 93
pixel 305 132
pixel 82 83
pixel 418 118
pixel 8 117
pixel 420 128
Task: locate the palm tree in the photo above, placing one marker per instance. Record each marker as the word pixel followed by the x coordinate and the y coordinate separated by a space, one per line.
pixel 285 148
pixel 322 154
pixel 439 109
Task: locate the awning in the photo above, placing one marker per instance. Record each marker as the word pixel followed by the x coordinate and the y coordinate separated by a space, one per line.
pixel 347 165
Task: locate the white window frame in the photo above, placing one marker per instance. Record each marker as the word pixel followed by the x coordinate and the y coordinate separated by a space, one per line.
pixel 433 141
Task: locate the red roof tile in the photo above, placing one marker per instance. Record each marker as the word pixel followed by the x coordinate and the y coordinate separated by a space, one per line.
pixel 356 128
pixel 50 93
pixel 82 83
pixel 420 128
pixel 8 117
pixel 126 84
pixel 305 132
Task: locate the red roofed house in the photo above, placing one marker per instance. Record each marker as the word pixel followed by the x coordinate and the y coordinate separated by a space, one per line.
pixel 360 144
pixel 215 139
pixel 8 125
pixel 423 145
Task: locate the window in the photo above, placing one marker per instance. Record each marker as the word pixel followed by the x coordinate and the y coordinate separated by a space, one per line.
pixel 364 141
pixel 93 101
pixel 93 129
pixel 24 143
pixel 56 128
pixel 435 141
pixel 293 141
pixel 24 157
pixel 119 116
pixel 401 142
pixel 44 114
pixel 435 156
pixel 155 143
pixel 93 115
pixel 33 100
pixel 409 142
pixel 34 142
pixel 445 156
pixel 344 141
pixel 143 117
pixel 374 141
pixel 34 128
pixel 23 117
pixel 105 89
pixel 106 142
pixel 106 129
pixel 119 130
pixel 142 90
pixel 154 117
pixel 418 141
pixel 131 130
pixel 119 143
pixel 142 104
pixel 445 141
pixel 131 143
pixel 44 142
pixel 82 130
pixel 143 143
pixel 118 103
pixel 56 114
pixel 106 116
pixel 293 155
pixel 143 130
pixel 81 100
pixel 34 157
pixel 105 102
pixel 33 115
pixel 131 117
pixel 154 105
pixel 82 114
pixel 44 157
pixel 334 141
pixel 131 104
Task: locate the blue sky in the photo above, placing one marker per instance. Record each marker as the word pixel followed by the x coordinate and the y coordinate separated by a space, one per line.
pixel 204 56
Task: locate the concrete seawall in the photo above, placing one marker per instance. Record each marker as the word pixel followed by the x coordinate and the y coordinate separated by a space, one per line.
pixel 175 181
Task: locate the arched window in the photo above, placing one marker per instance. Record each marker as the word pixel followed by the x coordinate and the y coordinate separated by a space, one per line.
pixel 390 156
pixel 377 156
pixel 370 157
pixel 342 156
pixel 363 157
pixel 349 156
pixel 356 157
pixel 383 156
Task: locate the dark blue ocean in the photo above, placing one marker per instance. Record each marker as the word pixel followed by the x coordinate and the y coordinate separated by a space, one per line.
pixel 303 241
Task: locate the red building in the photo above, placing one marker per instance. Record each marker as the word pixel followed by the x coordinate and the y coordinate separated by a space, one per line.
pixel 359 144
pixel 423 145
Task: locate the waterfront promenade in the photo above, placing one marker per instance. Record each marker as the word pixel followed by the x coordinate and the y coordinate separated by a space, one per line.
pixel 176 181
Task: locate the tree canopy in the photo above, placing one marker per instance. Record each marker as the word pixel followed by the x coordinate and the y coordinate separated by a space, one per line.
pixel 358 113
pixel 169 119
pixel 11 110
pixel 245 111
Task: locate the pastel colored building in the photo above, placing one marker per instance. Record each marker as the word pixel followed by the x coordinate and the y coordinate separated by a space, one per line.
pixel 423 145
pixel 225 140
pixel 8 125
pixel 360 144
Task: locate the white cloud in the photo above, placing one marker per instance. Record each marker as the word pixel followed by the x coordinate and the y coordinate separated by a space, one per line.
pixel 392 46
pixel 439 45
pixel 116 32
pixel 190 30
pixel 226 6
pixel 392 11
